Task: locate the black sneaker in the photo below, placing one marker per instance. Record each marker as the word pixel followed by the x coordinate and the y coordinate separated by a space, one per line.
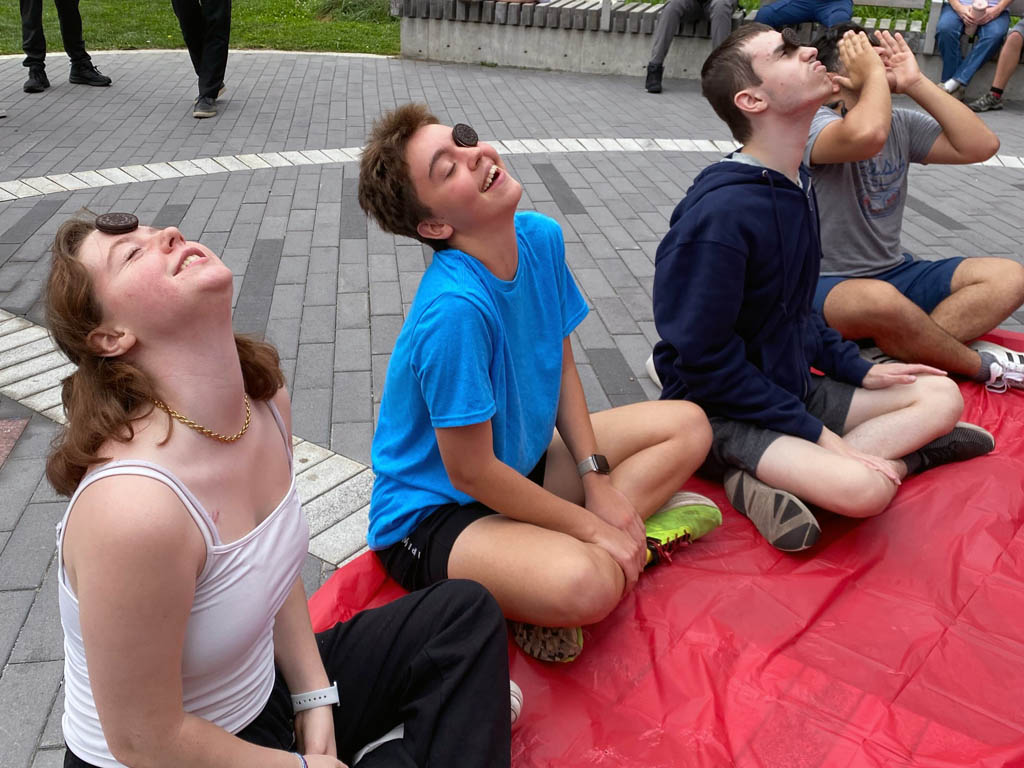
pixel 778 515
pixel 965 441
pixel 37 80
pixel 204 106
pixel 654 73
pixel 87 74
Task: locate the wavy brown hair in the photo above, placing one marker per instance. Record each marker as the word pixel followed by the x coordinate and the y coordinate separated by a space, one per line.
pixel 106 395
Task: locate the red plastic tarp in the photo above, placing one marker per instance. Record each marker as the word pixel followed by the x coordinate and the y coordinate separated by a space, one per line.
pixel 896 641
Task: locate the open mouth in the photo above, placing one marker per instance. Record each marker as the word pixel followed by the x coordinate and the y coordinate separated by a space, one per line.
pixel 191 258
pixel 492 175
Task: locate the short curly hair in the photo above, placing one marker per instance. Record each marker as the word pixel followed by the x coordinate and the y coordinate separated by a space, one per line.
pixel 386 191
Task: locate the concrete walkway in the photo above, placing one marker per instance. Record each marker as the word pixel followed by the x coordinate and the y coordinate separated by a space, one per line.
pixel 270 185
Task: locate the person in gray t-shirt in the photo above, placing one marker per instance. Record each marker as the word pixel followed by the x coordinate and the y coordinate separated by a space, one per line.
pixel 859 150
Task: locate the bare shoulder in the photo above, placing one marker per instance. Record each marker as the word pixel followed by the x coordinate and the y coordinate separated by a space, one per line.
pixel 135 514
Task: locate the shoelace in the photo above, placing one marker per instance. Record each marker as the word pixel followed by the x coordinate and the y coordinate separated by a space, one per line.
pixel 665 550
pixel 1003 376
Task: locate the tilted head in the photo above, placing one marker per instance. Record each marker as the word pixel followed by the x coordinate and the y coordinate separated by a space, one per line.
pixel 107 295
pixel 758 72
pixel 432 182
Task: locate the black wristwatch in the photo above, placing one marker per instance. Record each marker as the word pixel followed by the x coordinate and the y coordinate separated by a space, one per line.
pixel 596 463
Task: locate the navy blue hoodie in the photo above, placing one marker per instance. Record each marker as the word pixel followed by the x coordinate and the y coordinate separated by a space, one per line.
pixel 733 283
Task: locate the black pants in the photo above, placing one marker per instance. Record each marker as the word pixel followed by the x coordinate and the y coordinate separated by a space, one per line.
pixel 33 41
pixel 435 660
pixel 206 27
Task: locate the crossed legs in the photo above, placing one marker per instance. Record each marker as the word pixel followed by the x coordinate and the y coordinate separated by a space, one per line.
pixel 889 423
pixel 552 579
pixel 983 293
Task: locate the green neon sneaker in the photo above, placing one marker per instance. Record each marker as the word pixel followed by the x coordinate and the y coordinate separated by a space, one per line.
pixel 561 644
pixel 684 518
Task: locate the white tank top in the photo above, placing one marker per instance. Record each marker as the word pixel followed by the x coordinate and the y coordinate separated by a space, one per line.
pixel 228 660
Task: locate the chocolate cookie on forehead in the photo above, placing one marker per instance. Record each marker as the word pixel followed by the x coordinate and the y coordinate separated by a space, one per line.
pixel 117 223
pixel 464 136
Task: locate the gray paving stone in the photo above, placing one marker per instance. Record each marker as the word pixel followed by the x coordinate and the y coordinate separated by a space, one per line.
pixel 310 415
pixel 14 608
pixel 317 325
pixel 34 442
pixel 384 332
pixel 28 551
pixel 48 758
pixel 385 298
pixel 314 367
pixel 41 638
pixel 252 309
pixel 352 402
pixel 52 734
pixel 353 439
pixel 18 478
pixel 292 269
pixel 352 278
pixel 614 373
pixel 352 349
pixel 353 310
pixel 26 693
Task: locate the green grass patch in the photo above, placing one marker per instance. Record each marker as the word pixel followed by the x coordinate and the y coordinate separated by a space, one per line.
pixel 358 26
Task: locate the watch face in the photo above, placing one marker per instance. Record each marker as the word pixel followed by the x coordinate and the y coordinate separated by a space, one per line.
pixel 601 464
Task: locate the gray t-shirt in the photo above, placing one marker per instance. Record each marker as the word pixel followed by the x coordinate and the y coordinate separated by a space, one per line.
pixel 860 204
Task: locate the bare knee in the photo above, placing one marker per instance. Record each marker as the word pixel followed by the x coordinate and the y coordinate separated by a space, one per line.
pixel 691 426
pixel 588 589
pixel 942 401
pixel 1010 282
pixel 864 492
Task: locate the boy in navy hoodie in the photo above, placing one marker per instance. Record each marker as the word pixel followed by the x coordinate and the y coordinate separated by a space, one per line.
pixel 488 465
pixel 734 280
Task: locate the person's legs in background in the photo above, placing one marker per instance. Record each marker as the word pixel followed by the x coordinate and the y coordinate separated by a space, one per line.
pixel 672 15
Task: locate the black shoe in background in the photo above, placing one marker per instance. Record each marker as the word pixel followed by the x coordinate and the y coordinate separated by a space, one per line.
pixel 654 73
pixel 37 80
pixel 87 74
pixel 204 107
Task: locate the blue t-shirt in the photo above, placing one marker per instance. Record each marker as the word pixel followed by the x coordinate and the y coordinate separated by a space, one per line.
pixel 473 348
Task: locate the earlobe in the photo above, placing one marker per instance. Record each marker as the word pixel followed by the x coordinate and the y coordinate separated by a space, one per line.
pixel 432 229
pixel 107 342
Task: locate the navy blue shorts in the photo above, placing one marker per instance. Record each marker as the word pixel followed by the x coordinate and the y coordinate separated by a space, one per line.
pixel 926 283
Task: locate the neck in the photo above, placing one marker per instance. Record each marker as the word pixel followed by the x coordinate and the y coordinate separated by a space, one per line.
pixel 496 248
pixel 778 141
pixel 202 381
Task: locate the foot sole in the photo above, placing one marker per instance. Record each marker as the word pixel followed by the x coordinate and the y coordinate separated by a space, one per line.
pixel 784 521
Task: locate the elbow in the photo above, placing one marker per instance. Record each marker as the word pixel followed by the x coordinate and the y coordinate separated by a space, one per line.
pixel 465 477
pixel 987 147
pixel 870 142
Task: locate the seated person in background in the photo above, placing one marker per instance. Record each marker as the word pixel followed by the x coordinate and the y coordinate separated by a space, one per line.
pixel 470 483
pixel 859 150
pixel 186 633
pixel 793 12
pixel 732 304
pixel 990 29
pixel 675 12
pixel 1009 58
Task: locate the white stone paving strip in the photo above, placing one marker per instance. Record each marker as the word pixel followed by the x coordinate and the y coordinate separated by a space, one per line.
pixel 335 491
pixel 203 166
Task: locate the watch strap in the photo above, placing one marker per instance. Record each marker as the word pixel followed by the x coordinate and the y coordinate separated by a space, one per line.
pixel 320 698
pixel 594 463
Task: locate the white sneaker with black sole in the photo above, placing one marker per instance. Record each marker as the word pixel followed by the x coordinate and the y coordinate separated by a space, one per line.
pixel 1008 370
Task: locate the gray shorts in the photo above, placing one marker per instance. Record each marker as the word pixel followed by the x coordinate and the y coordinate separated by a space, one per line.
pixel 1019 27
pixel 742 444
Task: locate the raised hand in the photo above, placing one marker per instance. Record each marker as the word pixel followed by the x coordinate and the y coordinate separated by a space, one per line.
pixel 860 60
pixel 900 63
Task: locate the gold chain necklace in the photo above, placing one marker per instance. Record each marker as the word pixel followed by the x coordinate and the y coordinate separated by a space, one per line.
pixel 203 430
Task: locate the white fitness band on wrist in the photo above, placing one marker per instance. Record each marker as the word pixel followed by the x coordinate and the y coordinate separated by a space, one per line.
pixel 322 698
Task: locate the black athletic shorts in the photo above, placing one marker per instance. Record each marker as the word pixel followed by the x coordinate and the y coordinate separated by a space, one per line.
pixel 421 558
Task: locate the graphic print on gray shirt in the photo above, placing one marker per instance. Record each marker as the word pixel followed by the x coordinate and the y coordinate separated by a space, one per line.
pixel 860 204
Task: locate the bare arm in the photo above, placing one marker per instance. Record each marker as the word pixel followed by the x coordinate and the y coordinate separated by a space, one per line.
pixel 135 555
pixel 864 130
pixel 965 138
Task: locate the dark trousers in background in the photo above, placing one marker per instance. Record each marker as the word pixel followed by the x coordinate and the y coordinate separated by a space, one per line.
pixel 206 27
pixel 33 41
pixel 435 660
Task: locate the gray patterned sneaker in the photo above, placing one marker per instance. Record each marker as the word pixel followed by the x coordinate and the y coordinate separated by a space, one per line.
pixel 964 441
pixel 779 516
pixel 988 102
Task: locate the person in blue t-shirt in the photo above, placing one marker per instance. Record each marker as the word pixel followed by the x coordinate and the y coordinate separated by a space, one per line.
pixel 488 465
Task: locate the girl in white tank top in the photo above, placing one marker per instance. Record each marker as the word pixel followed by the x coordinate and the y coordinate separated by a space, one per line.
pixel 187 637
